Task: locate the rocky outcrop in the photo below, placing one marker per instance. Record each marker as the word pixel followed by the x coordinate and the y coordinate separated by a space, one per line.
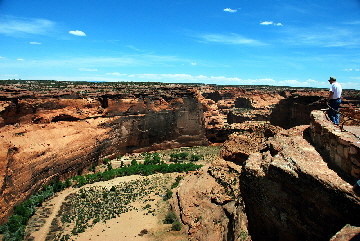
pixel 347 233
pixel 338 145
pixel 249 138
pixel 295 110
pixel 290 193
pixel 209 203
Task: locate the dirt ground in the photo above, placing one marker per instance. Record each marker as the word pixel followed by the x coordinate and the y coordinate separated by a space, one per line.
pixel 132 225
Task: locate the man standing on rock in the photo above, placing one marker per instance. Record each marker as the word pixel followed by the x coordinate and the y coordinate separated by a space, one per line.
pixel 334 100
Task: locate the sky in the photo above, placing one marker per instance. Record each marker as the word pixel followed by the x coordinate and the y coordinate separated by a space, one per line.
pixel 223 42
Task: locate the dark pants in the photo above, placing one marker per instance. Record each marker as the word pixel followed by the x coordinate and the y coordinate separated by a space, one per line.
pixel 334 111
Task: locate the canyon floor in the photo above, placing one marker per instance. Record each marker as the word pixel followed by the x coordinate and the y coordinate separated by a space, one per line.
pixel 139 223
pixel 128 226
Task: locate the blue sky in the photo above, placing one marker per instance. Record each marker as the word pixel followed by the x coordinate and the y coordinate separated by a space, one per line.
pixel 287 43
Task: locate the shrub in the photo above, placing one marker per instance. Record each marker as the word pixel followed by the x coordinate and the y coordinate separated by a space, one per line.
pixel 177 181
pixel 195 158
pixel 183 155
pixel 106 161
pixel 92 168
pixel 176 226
pixel 170 218
pixel 152 159
pixel 174 157
pixel 109 166
pixel 168 195
pixel 67 183
pixel 133 162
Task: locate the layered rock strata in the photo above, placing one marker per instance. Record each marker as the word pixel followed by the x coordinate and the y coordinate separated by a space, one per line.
pixel 340 146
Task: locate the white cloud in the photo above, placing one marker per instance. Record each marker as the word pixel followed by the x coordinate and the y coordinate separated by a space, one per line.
pixel 193 64
pixel 84 69
pixel 306 83
pixel 77 33
pixel 116 74
pixel 186 78
pixel 21 59
pixel 230 39
pixel 271 23
pixel 267 23
pixel 230 10
pixel 1 57
pixel 34 43
pixel 15 26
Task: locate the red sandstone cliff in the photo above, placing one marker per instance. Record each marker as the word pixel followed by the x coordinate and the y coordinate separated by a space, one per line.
pixel 43 138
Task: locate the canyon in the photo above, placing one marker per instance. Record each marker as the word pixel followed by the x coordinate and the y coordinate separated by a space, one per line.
pixel 276 176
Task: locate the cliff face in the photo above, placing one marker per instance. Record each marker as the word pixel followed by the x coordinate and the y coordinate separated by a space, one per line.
pixel 283 190
pixel 295 110
pixel 291 194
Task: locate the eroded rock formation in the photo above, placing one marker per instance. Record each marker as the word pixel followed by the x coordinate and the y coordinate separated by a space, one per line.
pixel 286 188
pixel 209 203
pixel 249 138
pixel 291 194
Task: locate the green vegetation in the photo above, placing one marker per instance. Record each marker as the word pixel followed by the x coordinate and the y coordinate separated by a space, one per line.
pixel 177 181
pixel 172 219
pixel 14 229
pixel 243 235
pixel 152 159
pixel 167 195
pixel 183 156
pixel 176 226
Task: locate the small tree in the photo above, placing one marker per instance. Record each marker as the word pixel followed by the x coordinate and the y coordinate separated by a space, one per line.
pixel 170 218
pixel 106 161
pixel 183 155
pixel 176 226
pixel 168 195
pixel 195 158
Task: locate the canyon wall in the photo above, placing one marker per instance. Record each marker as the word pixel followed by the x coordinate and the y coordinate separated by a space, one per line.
pixel 44 139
